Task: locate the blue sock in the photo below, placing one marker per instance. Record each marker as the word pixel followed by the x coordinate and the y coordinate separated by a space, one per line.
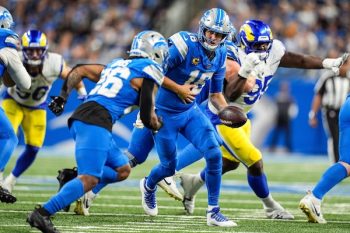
pixel 333 175
pixel 25 160
pixel 70 192
pixel 187 156
pixel 109 175
pixel 259 185
pixel 8 140
pixel 213 175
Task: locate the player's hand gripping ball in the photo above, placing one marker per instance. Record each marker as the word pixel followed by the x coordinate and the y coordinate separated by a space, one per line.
pixel 7 80
pixel 232 116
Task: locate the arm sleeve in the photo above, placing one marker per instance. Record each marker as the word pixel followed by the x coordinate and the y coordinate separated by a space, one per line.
pixel 218 80
pixel 15 68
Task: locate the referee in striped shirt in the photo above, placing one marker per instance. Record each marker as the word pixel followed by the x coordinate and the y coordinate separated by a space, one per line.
pixel 330 93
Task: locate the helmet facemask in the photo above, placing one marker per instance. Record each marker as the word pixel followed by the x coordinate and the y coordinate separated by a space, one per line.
pixel 215 21
pixel 256 36
pixel 34 47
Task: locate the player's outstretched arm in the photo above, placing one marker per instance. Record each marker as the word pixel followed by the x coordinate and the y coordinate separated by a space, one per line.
pixel 80 87
pixel 74 77
pixel 303 61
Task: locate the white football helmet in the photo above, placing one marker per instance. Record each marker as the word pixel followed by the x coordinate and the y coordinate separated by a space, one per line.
pixel 150 44
pixel 6 20
pixel 215 20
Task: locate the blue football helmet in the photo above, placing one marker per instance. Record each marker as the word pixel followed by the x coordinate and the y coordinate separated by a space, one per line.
pixel 34 47
pixel 215 20
pixel 6 20
pixel 253 34
pixel 151 44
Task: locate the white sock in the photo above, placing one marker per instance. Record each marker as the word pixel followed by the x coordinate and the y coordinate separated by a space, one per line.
pixel 269 202
pixel 210 207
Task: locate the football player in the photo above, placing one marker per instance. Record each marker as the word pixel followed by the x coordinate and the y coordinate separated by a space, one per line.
pixel 255 40
pixel 311 203
pixel 194 59
pixel 123 83
pixel 27 107
pixel 10 63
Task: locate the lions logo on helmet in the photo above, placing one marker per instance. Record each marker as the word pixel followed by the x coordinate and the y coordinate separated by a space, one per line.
pixel 34 47
pixel 150 44
pixel 215 20
pixel 256 36
pixel 6 20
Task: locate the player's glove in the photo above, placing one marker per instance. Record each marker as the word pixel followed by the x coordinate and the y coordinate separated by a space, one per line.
pixel 57 105
pixel 334 63
pixel 249 63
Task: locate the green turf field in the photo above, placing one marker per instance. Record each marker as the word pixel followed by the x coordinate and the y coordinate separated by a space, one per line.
pixel 118 208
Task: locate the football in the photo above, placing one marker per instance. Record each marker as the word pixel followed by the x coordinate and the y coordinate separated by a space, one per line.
pixel 232 116
pixel 7 80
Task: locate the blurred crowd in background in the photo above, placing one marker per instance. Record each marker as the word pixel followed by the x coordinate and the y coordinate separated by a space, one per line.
pixel 97 31
pixel 100 30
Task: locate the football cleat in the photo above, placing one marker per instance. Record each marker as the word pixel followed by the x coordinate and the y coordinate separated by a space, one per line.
pixel 6 196
pixel 63 177
pixel 149 202
pixel 216 218
pixel 311 206
pixel 190 184
pixel 41 222
pixel 84 203
pixel 278 214
pixel 168 184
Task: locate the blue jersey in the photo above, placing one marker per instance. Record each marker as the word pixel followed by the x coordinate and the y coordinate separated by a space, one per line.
pixel 114 91
pixel 232 51
pixel 8 38
pixel 189 64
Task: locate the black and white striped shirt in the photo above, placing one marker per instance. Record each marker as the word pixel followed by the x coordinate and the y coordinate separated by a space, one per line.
pixel 333 90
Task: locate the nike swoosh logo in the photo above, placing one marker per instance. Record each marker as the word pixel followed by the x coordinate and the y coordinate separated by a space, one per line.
pixel 168 183
pixel 315 210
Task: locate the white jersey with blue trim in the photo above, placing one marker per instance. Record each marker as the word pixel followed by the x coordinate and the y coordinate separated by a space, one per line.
pixel 36 96
pixel 114 91
pixel 266 71
pixel 189 64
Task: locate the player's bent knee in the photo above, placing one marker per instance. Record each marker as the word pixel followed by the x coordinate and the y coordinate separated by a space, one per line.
pixel 228 165
pixel 346 165
pixel 123 172
pixel 88 181
pixel 257 168
pixel 213 154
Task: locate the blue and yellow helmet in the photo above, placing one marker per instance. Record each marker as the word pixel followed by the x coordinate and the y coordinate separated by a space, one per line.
pixel 34 47
pixel 254 33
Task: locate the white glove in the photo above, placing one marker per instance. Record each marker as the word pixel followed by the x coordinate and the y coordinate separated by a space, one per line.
pixel 334 63
pixel 249 63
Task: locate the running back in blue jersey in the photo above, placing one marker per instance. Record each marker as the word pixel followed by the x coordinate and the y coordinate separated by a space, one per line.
pixel 189 64
pixel 114 90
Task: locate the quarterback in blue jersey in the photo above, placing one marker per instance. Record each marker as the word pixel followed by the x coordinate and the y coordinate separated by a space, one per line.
pixel 122 85
pixel 10 64
pixel 256 43
pixel 194 58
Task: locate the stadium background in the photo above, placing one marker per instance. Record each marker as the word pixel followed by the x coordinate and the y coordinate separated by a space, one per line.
pixel 96 31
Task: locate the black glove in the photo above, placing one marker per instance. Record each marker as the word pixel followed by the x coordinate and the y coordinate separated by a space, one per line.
pixel 57 105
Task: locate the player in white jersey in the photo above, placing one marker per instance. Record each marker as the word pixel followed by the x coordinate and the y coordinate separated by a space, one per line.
pixel 256 42
pixel 12 67
pixel 27 108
